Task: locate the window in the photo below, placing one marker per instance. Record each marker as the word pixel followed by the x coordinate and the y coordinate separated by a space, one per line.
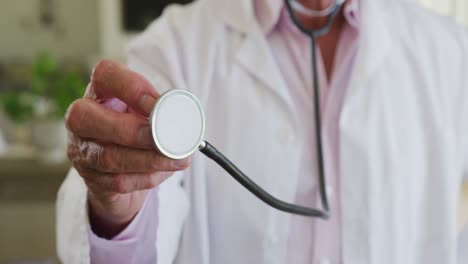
pixel 137 14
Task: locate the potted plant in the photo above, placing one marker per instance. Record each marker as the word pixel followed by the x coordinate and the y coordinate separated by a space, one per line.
pixel 17 109
pixel 52 89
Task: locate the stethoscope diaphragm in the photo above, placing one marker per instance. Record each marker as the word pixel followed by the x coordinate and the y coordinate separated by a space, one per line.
pixel 177 124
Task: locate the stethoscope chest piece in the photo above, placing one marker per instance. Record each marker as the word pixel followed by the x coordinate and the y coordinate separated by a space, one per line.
pixel 177 124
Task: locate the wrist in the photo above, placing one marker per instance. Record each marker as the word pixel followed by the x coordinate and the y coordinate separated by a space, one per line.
pixel 110 216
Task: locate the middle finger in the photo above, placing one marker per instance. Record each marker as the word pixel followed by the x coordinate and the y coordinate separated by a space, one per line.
pixel 111 158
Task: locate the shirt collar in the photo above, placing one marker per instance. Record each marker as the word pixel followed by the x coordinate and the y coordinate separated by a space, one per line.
pixel 268 13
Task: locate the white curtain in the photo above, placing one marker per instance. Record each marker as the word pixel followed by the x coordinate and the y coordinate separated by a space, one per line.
pixel 455 8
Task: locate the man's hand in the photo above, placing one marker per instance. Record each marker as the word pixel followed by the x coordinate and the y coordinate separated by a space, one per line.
pixel 110 146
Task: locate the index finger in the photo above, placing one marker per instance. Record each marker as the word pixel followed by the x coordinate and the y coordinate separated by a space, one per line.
pixel 113 79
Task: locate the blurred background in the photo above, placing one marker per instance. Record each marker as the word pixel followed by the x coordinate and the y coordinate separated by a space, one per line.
pixel 47 49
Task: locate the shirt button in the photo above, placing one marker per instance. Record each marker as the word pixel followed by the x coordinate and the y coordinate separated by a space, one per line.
pixel 325 261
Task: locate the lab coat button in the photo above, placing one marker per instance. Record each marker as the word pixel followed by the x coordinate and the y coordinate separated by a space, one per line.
pixel 329 191
pixel 273 239
pixel 286 137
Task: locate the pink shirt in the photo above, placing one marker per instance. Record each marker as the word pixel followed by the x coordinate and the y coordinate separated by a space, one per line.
pixel 310 240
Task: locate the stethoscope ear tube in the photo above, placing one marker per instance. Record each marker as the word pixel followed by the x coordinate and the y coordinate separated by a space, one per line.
pixel 211 152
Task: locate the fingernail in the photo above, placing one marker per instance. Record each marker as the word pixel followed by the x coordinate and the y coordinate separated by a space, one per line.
pixel 144 137
pixel 183 163
pixel 147 103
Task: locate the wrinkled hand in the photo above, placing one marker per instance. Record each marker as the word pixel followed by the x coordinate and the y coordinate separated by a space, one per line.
pixel 110 146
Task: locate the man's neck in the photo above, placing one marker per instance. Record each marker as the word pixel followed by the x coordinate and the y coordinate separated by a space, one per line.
pixel 328 43
pixel 313 23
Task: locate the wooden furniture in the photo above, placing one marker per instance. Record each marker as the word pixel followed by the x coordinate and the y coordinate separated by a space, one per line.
pixel 28 190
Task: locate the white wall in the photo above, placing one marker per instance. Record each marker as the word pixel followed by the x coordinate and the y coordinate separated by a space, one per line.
pixel 455 8
pixel 76 34
pixel 113 40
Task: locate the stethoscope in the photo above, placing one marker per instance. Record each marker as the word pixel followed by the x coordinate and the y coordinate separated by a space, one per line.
pixel 178 125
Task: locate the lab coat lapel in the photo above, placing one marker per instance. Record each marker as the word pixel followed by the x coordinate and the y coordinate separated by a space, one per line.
pixel 256 58
pixel 254 54
pixel 355 138
pixel 374 43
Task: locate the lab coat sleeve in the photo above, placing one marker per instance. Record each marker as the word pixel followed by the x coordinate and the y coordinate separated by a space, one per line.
pixel 73 244
pixel 463 134
pixel 155 55
pixel 161 221
pixel 158 56
pixel 463 99
pixel 135 244
pixel 71 218
pixel 465 114
pixel 77 244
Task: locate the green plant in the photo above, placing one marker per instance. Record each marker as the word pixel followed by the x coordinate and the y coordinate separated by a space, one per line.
pixel 52 89
pixel 18 106
pixel 59 88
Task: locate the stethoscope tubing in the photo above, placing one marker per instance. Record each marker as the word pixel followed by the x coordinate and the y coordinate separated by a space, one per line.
pixel 211 152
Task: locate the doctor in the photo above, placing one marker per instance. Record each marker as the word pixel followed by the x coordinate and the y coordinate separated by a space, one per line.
pixel 393 85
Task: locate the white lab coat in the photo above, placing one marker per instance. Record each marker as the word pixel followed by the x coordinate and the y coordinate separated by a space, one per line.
pixel 403 139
